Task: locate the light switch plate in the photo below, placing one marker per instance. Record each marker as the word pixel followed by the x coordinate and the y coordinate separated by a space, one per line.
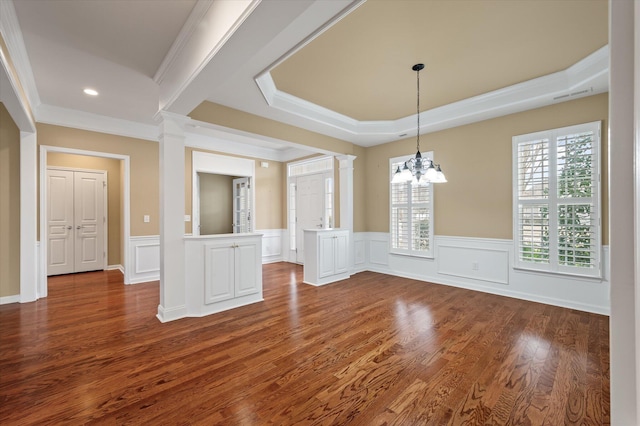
pixel 187 218
pixel 146 218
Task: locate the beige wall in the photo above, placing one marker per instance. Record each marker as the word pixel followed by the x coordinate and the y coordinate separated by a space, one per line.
pixel 9 205
pixel 114 195
pixel 144 168
pixel 270 198
pixel 476 158
pixel 216 204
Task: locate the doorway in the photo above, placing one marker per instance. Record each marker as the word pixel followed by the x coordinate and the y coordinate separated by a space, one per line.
pixel 310 201
pixel 121 229
pixel 76 221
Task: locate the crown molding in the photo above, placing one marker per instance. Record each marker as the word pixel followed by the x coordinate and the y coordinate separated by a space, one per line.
pixel 12 36
pixel 197 134
pixel 13 98
pixel 49 114
pixel 188 63
pixel 196 16
pixel 587 77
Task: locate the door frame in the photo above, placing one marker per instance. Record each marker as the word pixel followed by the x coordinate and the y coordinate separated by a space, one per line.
pixel 126 209
pixel 206 162
pixel 105 237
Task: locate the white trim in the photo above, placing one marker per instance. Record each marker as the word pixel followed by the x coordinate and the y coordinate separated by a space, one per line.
pixel 115 267
pixel 16 104
pixel 175 313
pixel 586 77
pixel 198 12
pixel 59 116
pixel 217 25
pixel 126 227
pixel 5 300
pixel 30 260
pixel 12 35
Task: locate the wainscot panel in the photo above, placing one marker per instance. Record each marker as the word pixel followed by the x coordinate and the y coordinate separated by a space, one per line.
pixel 145 259
pixel 272 245
pixel 485 264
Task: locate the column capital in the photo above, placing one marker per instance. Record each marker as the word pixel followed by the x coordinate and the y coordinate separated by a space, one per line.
pixel 171 123
pixel 346 160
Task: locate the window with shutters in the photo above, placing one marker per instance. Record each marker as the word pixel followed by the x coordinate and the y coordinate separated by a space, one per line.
pixel 556 200
pixel 411 215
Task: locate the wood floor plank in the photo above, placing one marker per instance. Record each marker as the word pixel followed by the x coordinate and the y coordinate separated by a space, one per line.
pixel 370 350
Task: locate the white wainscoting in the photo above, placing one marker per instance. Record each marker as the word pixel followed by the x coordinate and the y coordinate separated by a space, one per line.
pixel 272 245
pixel 359 252
pixel 485 264
pixel 145 259
pixel 145 254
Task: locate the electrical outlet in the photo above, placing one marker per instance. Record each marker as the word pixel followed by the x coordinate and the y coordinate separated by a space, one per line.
pixel 475 266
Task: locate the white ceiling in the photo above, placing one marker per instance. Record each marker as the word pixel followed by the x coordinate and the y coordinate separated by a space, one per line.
pixel 147 55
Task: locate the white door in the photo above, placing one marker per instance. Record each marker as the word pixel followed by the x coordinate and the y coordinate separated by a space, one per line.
pixel 309 208
pixel 241 205
pixel 60 227
pixel 76 221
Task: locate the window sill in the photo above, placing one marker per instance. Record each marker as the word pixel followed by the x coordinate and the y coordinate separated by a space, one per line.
pixel 583 277
pixel 417 256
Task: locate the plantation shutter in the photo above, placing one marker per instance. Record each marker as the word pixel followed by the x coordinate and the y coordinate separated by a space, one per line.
pixel 411 216
pixel 557 200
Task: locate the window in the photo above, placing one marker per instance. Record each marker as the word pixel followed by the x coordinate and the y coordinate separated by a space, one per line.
pixel 557 200
pixel 411 215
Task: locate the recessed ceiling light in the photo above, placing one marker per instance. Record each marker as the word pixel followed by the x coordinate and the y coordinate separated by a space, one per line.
pixel 90 92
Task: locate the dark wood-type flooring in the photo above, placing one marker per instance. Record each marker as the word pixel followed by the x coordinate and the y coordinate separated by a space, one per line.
pixel 371 350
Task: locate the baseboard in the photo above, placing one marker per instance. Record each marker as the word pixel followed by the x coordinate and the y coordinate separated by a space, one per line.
pixel 5 300
pixel 166 315
pixel 114 267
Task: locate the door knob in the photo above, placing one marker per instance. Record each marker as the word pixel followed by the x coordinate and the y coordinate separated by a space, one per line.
pixel 69 227
pixel 78 227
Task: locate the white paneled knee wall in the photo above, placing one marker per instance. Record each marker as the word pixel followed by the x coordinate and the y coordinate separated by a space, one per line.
pixel 145 254
pixel 480 264
pixel 484 264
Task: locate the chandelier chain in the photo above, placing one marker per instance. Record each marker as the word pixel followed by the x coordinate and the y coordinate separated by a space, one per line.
pixel 418 109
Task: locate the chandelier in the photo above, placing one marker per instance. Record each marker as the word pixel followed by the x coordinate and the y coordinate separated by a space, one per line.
pixel 418 170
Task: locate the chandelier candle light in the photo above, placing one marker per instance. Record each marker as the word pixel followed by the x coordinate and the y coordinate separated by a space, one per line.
pixel 418 170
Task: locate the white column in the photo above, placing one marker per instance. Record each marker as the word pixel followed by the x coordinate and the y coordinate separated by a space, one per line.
pixel 30 261
pixel 172 272
pixel 346 201
pixel 624 397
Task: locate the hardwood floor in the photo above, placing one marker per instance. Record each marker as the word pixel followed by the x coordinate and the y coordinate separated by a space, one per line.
pixel 371 350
